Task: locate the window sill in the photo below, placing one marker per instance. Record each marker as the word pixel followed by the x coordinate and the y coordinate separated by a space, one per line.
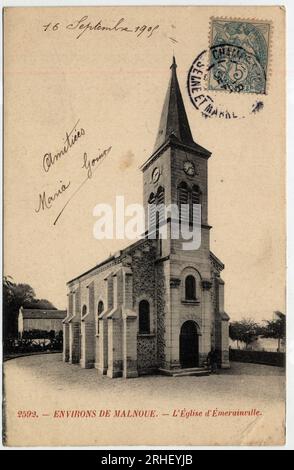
pixel 191 302
pixel 83 317
pixel 146 335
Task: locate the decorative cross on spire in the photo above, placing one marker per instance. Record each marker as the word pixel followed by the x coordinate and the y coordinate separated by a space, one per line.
pixel 174 64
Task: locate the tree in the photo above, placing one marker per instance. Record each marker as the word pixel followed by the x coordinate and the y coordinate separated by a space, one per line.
pixel 245 330
pixel 235 332
pixel 40 303
pixel 14 297
pixel 7 284
pixel 276 328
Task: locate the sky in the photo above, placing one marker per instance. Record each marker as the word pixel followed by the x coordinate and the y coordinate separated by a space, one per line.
pixel 112 86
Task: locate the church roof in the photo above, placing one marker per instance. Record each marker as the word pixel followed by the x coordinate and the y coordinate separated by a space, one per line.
pixel 174 122
pixel 216 261
pixel 116 257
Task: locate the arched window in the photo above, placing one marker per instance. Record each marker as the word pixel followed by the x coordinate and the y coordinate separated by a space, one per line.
pixel 100 309
pixel 190 288
pixel 183 201
pixel 144 317
pixel 151 198
pixel 195 199
pixel 160 206
pixel 196 195
pixel 156 209
pixel 152 212
pixel 84 310
pixel 160 195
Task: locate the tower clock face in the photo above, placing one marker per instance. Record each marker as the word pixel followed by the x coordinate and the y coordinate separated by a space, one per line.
pixel 189 168
pixel 155 175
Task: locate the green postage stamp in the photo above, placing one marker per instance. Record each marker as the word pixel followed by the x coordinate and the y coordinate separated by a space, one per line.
pixel 239 55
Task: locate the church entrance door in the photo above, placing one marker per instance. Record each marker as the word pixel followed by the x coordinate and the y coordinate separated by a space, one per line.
pixel 189 345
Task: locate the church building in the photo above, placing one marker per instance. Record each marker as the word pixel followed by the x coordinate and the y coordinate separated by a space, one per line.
pixel 154 307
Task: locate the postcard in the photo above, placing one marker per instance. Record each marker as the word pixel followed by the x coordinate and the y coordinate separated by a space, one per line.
pixel 144 226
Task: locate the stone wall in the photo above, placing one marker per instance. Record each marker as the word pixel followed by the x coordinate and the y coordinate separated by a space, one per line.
pixel 258 357
pixel 146 353
pixel 144 278
pixel 161 289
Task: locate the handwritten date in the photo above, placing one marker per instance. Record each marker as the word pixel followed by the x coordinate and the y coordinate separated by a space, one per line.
pixel 83 24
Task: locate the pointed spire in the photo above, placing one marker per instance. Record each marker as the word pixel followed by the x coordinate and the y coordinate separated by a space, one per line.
pixel 174 119
pixel 173 65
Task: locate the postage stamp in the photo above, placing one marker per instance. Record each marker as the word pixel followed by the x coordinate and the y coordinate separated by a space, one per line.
pixel 212 105
pixel 239 54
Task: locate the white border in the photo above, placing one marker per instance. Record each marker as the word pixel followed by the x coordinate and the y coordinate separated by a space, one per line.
pixel 290 198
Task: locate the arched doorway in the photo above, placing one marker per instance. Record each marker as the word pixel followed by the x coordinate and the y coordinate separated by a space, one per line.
pixel 189 345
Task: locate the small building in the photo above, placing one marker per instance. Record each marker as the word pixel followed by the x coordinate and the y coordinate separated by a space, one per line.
pixel 39 319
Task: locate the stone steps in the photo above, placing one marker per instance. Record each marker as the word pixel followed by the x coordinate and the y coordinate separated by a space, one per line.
pixel 193 371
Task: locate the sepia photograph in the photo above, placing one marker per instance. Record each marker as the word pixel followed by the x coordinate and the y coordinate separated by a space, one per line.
pixel 144 271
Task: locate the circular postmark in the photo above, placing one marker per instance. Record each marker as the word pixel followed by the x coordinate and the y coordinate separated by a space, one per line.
pixel 234 69
pixel 230 69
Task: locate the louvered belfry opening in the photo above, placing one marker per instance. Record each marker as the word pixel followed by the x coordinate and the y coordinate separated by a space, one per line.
pixel 195 200
pixel 156 210
pixel 183 201
pixel 188 200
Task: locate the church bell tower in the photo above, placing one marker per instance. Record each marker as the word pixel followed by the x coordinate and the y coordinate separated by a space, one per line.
pixel 176 173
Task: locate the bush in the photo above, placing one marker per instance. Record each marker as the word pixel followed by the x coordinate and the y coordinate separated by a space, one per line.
pixel 34 341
